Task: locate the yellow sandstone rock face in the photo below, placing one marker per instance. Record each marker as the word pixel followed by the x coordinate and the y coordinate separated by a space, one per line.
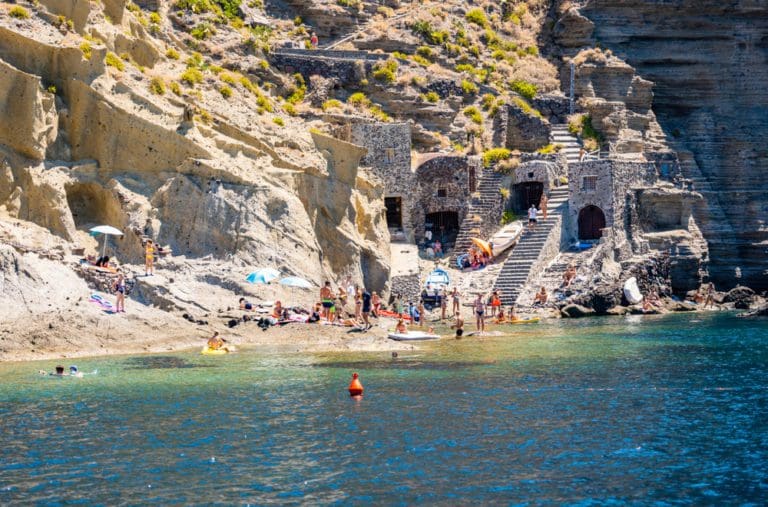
pixel 30 123
pixel 220 185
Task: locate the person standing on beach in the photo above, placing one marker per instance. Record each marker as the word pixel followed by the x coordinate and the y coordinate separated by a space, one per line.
pixel 456 297
pixel 480 313
pixel 358 303
pixel 120 292
pixel 398 305
pixel 149 258
pixel 543 205
pixel 326 299
pixel 366 298
pixel 443 303
pixel 420 309
pixel 710 301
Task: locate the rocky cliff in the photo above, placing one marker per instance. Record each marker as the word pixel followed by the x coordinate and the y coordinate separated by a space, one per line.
pixel 708 62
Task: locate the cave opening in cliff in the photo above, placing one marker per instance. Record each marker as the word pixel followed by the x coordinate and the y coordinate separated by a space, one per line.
pixel 91 204
pixel 527 194
pixel 591 222
pixel 444 226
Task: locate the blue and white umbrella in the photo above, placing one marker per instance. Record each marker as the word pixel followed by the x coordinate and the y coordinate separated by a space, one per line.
pixel 295 281
pixel 263 275
pixel 106 230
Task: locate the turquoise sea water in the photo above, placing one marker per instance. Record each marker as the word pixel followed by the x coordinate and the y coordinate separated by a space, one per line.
pixel 656 410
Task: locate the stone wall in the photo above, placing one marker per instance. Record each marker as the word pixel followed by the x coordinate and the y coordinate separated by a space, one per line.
pixel 515 129
pixel 408 286
pixel 608 190
pixel 349 67
pixel 554 107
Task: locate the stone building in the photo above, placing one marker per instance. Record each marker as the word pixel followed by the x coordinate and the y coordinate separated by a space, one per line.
pixel 537 174
pixel 598 195
pixel 443 185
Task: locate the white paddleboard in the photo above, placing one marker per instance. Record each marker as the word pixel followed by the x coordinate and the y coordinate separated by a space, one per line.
pixel 412 336
pixel 632 291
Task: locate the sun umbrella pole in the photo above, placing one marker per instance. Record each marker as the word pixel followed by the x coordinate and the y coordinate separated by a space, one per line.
pixel 104 248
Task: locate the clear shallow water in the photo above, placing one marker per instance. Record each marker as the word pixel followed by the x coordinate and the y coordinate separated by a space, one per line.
pixel 668 410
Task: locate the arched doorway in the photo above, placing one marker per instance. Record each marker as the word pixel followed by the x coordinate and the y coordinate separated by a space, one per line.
pixel 528 193
pixel 591 222
pixel 444 226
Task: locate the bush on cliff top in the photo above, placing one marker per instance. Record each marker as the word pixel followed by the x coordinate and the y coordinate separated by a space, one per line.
pixel 18 12
pixel 524 88
pixel 494 155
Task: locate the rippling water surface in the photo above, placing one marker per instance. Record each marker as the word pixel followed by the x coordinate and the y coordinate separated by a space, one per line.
pixel 668 410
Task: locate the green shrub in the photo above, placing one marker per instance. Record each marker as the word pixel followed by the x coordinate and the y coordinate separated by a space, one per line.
pixel 379 114
pixel 278 121
pixel 298 91
pixel 494 155
pixel 468 87
pixel 18 12
pixel 399 55
pixel 290 109
pixel 203 31
pixel 508 217
pixel 264 65
pixel 114 61
pixel 228 78
pixel 532 50
pixel 526 107
pixel 51 89
pixel 331 104
pixel 473 114
pixel 85 48
pixel 424 29
pixel 157 86
pixel 550 148
pixel 192 76
pixel 355 4
pixel 431 96
pixel 524 88
pixel 359 99
pixel 175 88
pixel 172 54
pixel 477 16
pixel 216 69
pixel 426 52
pixel 195 61
pixel 386 72
pixel 225 91
pixel 421 61
pixel 489 100
pixel 155 18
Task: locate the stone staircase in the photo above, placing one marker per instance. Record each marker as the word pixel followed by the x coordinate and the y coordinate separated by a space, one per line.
pixel 571 146
pixel 518 266
pixel 483 214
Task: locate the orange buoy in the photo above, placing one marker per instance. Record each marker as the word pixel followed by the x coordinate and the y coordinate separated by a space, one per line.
pixel 355 387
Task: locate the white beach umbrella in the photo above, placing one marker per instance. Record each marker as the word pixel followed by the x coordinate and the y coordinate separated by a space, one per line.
pixel 106 230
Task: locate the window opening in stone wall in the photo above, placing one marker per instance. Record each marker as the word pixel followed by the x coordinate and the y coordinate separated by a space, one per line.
pixel 589 183
pixel 394 212
pixel 441 192
pixel 389 155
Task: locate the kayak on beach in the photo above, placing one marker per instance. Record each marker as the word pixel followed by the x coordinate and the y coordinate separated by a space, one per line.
pixel 412 336
pixel 208 351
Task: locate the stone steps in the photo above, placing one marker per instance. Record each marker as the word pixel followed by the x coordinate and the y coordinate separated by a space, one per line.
pixel 481 205
pixel 570 144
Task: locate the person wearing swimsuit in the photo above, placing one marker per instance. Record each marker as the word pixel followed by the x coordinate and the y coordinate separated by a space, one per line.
pixel 120 289
pixel 326 299
pixel 480 313
pixel 456 300
pixel 149 258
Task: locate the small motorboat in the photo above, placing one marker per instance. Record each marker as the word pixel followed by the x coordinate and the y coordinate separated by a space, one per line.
pixel 506 237
pixel 412 336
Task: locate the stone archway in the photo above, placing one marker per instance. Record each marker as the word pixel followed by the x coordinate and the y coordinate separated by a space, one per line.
pixel 444 226
pixel 591 222
pixel 527 193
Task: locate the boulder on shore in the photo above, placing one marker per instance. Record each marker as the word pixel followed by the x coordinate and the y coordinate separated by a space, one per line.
pixel 759 312
pixel 742 297
pixel 574 311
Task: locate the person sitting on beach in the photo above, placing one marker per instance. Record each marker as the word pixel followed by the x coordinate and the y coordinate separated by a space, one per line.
pixel 401 327
pixel 512 316
pixel 501 318
pixel 245 305
pixel 315 315
pixel 103 262
pixel 277 311
pixel 438 247
pixel 651 302
pixel 698 298
pixel 569 275
pixel 541 297
pixel 215 342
